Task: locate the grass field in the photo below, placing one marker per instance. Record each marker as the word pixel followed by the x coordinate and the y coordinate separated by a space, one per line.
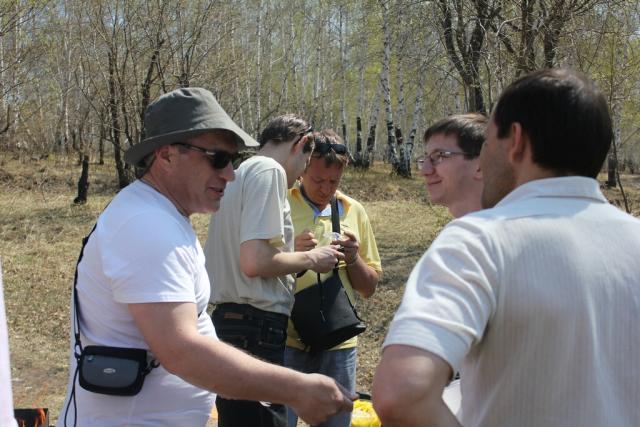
pixel 41 230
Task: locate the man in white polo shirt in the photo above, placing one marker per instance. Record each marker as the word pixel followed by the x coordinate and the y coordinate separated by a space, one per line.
pixel 535 300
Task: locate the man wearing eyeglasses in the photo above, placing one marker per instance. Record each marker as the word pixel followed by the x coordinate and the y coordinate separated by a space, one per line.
pixel 359 272
pixel 251 262
pixel 142 283
pixel 450 167
pixel 526 298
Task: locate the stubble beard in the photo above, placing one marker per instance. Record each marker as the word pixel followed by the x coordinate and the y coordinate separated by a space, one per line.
pixel 501 183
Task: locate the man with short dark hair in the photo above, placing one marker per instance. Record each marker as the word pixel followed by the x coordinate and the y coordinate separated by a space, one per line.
pixel 142 284
pixel 251 261
pixel 526 298
pixel 450 166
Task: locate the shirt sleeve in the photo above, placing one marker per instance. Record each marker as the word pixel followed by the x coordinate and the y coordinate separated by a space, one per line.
pixel 448 298
pixel 263 204
pixel 368 249
pixel 151 259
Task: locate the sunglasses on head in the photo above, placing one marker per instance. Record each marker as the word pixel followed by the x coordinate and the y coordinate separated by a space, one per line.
pixel 325 147
pixel 219 159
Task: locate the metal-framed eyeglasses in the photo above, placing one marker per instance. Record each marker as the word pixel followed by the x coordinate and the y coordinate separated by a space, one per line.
pixel 436 157
pixel 219 159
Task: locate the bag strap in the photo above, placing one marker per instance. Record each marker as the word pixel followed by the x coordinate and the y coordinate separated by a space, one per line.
pixel 77 347
pixel 76 302
pixel 335 227
pixel 335 222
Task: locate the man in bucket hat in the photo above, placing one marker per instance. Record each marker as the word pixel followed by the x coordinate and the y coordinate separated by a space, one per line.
pixel 142 283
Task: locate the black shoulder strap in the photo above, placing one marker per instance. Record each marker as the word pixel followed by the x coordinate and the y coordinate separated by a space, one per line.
pixel 76 308
pixel 335 222
pixel 335 227
pixel 335 215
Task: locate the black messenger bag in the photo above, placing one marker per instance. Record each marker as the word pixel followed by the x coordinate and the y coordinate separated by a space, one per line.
pixel 322 313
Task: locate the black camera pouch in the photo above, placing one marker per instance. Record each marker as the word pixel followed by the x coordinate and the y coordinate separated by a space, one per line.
pixel 115 371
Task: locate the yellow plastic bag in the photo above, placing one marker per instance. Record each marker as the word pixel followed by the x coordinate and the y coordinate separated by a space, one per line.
pixel 364 415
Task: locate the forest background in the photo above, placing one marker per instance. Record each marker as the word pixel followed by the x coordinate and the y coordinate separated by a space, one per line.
pixel 76 77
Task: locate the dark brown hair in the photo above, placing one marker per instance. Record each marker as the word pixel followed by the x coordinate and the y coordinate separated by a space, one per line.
pixel 467 128
pixel 565 116
pixel 286 128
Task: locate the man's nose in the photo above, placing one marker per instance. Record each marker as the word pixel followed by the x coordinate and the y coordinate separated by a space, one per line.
pixel 427 168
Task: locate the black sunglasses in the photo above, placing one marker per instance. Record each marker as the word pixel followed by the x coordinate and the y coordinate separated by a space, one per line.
pixel 219 159
pixel 325 147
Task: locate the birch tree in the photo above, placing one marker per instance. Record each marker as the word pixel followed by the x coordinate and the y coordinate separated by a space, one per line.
pixel 391 154
pixel 464 47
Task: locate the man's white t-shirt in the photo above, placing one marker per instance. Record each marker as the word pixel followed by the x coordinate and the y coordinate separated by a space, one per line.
pixel 142 251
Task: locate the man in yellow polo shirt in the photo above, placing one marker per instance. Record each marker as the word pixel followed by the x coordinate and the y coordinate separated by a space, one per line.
pixel 310 202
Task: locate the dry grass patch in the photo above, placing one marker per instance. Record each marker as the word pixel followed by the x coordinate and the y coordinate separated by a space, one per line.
pixel 41 231
pixel 40 234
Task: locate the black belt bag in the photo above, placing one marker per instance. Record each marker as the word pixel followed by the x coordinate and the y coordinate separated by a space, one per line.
pixel 323 314
pixel 115 371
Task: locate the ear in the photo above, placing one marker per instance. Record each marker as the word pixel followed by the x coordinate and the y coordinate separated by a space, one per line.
pixel 164 155
pixel 477 174
pixel 518 146
pixel 298 146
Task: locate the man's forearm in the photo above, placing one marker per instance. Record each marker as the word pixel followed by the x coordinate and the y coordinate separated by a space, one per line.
pixel 170 330
pixel 408 386
pixel 259 259
pixel 233 373
pixel 236 375
pixel 363 278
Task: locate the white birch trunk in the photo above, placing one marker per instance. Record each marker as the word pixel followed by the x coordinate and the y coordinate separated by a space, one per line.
pixel 258 93
pixel 237 93
pixel 343 69
pixel 373 123
pixel 417 113
pixel 391 154
pixel 3 105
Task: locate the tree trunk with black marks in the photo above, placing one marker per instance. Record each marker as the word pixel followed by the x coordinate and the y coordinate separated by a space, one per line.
pixel 367 158
pixel 358 154
pixel 390 153
pixel 83 183
pixel 123 177
pixel 417 113
pixel 465 50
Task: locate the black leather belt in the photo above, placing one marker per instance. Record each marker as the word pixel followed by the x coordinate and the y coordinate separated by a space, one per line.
pixel 232 310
